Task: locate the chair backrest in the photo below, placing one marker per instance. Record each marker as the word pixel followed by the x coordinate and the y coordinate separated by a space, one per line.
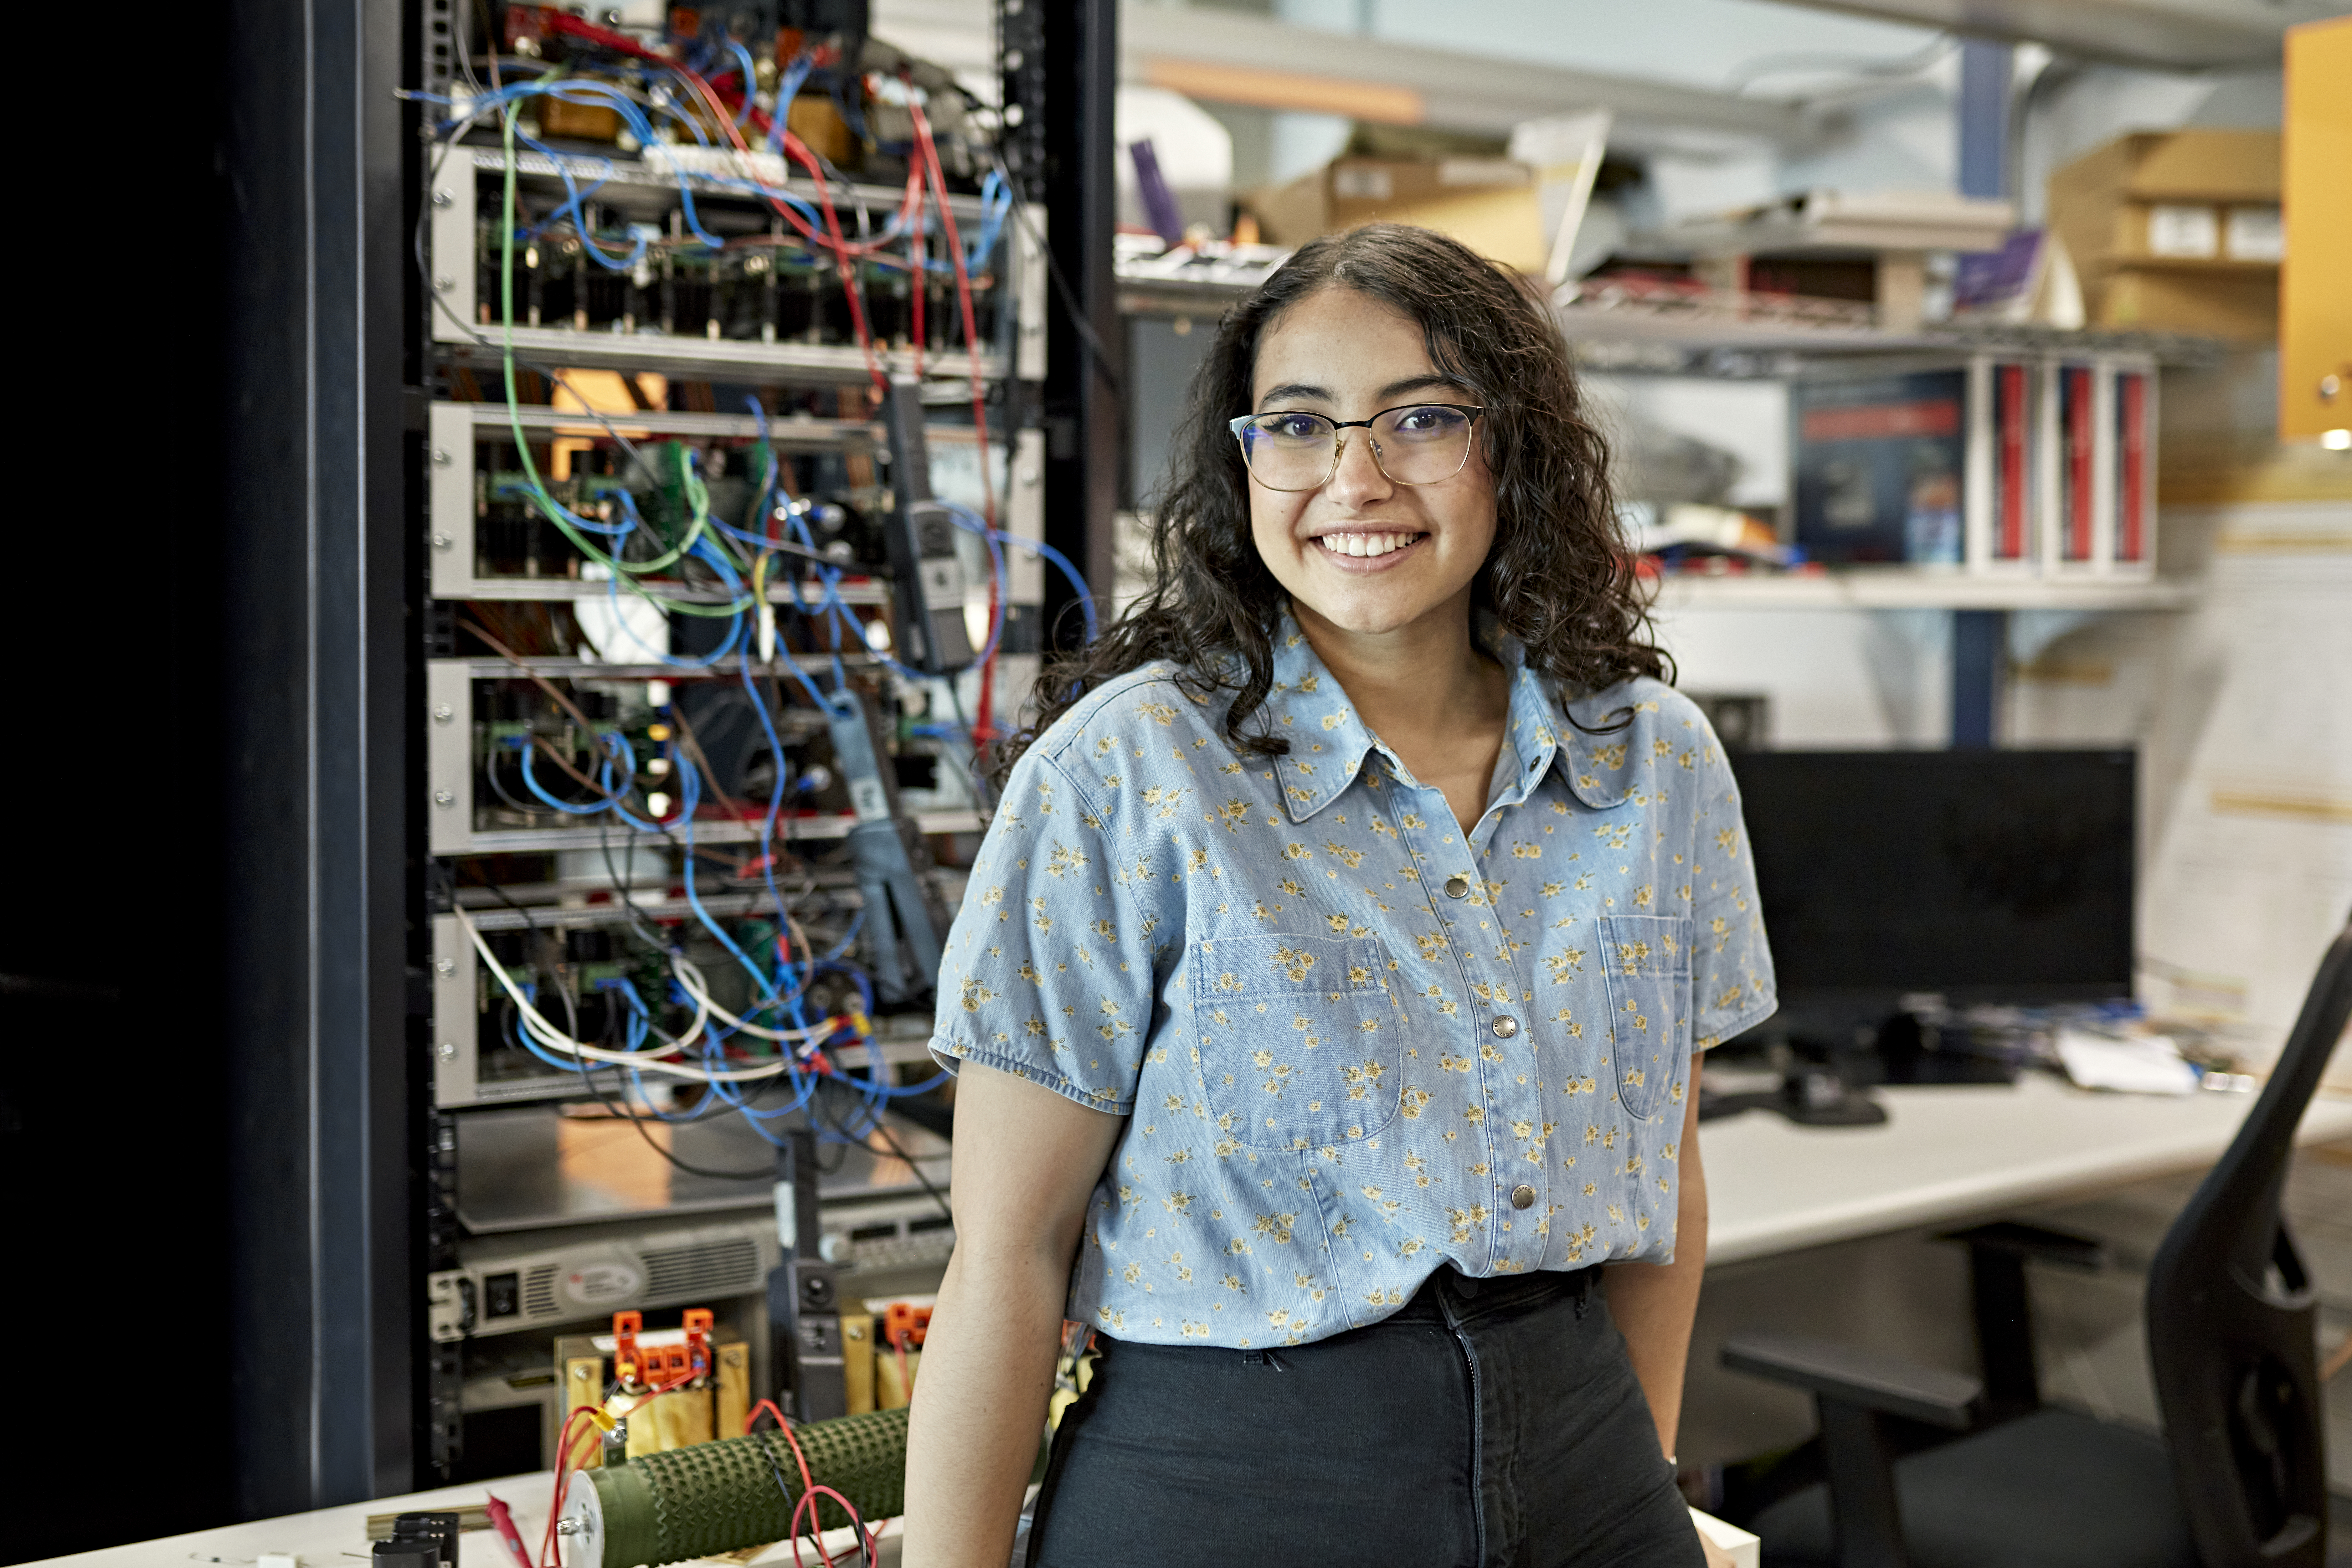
pixel 2233 1318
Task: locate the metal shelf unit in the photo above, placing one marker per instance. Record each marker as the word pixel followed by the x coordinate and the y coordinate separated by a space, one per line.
pixel 1012 351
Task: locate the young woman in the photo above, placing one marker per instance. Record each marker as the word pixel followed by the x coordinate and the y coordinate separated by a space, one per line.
pixel 1327 990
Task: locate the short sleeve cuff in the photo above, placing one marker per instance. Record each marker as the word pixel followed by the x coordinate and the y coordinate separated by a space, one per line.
pixel 1718 1024
pixel 952 1053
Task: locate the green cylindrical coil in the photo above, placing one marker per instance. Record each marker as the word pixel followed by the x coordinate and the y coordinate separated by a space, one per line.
pixel 718 1496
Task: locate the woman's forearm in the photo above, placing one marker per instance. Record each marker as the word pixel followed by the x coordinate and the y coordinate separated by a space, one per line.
pixel 1655 1306
pixel 1026 1160
pixel 980 1406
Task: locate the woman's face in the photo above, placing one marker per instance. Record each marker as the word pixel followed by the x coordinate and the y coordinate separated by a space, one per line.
pixel 1364 553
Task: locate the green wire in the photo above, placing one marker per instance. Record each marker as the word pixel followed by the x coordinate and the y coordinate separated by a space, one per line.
pixel 698 494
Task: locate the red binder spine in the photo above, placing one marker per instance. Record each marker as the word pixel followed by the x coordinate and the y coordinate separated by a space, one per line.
pixel 2131 491
pixel 2080 445
pixel 2011 479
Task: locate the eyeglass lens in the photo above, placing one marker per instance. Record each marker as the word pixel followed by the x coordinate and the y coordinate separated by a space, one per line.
pixel 1424 445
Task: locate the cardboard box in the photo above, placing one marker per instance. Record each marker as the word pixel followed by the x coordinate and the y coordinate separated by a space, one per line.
pixel 2176 231
pixel 1488 204
pixel 2225 300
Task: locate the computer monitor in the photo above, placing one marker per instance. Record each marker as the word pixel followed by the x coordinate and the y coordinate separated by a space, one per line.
pixel 1983 876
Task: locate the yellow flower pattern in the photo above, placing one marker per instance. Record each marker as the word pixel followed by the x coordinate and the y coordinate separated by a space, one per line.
pixel 1348 1043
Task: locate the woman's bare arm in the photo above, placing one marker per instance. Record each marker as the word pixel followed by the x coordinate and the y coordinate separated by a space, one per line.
pixel 1655 1306
pixel 1026 1160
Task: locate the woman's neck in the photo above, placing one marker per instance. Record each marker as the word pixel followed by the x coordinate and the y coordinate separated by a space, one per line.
pixel 1424 688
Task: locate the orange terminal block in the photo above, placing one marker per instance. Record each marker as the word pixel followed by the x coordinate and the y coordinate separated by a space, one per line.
pixel 628 1362
pixel 698 1323
pixel 905 1326
pixel 666 1365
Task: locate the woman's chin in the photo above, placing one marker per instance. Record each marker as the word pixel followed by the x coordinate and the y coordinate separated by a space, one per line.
pixel 1370 609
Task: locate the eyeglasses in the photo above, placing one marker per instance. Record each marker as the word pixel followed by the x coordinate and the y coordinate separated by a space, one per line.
pixel 1419 443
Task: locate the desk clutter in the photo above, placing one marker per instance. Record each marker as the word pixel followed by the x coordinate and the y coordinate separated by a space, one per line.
pixel 2108 1046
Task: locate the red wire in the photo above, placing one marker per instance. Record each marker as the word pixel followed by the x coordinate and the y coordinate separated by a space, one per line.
pixel 983 728
pixel 563 1458
pixel 563 1455
pixel 810 1492
pixel 845 254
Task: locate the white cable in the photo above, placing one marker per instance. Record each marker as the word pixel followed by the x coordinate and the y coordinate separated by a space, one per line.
pixel 555 1039
pixel 690 981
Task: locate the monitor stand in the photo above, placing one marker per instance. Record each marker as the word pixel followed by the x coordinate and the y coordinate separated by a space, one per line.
pixel 1907 1055
pixel 1819 1087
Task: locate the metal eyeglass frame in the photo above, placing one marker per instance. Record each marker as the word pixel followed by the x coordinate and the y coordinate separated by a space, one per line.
pixel 1475 411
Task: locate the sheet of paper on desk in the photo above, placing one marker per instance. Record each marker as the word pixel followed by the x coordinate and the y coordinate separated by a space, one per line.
pixel 2143 1064
pixel 1745 1550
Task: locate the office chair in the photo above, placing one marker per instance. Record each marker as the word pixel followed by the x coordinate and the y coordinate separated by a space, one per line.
pixel 2239 1478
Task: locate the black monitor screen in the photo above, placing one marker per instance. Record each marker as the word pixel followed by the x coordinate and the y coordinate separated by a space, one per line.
pixel 1982 875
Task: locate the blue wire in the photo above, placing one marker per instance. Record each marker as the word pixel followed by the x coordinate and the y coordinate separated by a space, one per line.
pixel 788 88
pixel 1039 548
pixel 711 553
pixel 751 81
pixel 605 780
pixel 573 197
pixel 690 797
pixel 971 524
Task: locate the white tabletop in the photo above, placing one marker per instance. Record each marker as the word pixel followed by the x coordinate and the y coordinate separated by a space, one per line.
pixel 1944 1155
pixel 336 1537
pixel 1953 1153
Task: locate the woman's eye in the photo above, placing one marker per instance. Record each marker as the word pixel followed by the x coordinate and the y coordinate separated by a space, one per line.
pixel 1425 421
pixel 1295 427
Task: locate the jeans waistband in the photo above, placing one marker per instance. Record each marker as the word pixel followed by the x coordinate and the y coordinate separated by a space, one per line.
pixel 1471 1295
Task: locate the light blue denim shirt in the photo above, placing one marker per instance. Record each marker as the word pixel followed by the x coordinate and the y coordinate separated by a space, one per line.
pixel 1350 1046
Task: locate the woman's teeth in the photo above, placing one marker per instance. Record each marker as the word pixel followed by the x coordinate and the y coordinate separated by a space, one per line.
pixel 1366 544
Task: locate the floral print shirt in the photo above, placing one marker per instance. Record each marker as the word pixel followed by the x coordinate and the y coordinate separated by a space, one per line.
pixel 1349 1045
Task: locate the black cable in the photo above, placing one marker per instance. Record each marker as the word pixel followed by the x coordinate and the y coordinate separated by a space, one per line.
pixel 897 1148
pixel 588 1077
pixel 622 1107
pixel 490 773
pixel 971 769
pixel 1062 289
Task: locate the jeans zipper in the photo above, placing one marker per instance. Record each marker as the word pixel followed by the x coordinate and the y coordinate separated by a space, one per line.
pixel 1477 1434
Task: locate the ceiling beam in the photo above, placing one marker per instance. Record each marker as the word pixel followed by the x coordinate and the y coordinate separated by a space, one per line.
pixel 1236 58
pixel 2167 34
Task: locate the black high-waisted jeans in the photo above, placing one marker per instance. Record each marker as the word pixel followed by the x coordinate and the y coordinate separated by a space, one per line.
pixel 1489 1423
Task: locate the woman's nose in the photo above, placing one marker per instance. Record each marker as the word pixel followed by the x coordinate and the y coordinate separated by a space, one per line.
pixel 1357 477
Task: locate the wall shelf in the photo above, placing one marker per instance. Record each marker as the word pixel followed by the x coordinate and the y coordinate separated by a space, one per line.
pixel 1897 588
pixel 1712 333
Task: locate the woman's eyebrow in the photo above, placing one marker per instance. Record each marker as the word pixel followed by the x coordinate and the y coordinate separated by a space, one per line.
pixel 1417 384
pixel 1393 389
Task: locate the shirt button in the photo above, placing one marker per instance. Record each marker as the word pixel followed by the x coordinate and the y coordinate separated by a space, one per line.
pixel 1458 887
pixel 1505 1026
pixel 1523 1197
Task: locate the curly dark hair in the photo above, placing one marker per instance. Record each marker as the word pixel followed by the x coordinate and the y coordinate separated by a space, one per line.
pixel 1560 578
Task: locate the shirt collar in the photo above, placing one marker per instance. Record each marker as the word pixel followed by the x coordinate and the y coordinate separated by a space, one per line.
pixel 1310 710
pixel 1329 743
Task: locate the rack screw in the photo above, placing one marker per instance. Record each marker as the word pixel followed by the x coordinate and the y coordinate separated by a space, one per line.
pixel 444 714
pixel 440 456
pixel 2329 386
pixel 443 798
pixel 448 1051
pixel 444 283
pixel 440 198
pixel 442 542
pixel 444 967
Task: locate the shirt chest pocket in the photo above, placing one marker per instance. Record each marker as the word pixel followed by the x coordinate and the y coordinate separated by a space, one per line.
pixel 1300 1039
pixel 1646 959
